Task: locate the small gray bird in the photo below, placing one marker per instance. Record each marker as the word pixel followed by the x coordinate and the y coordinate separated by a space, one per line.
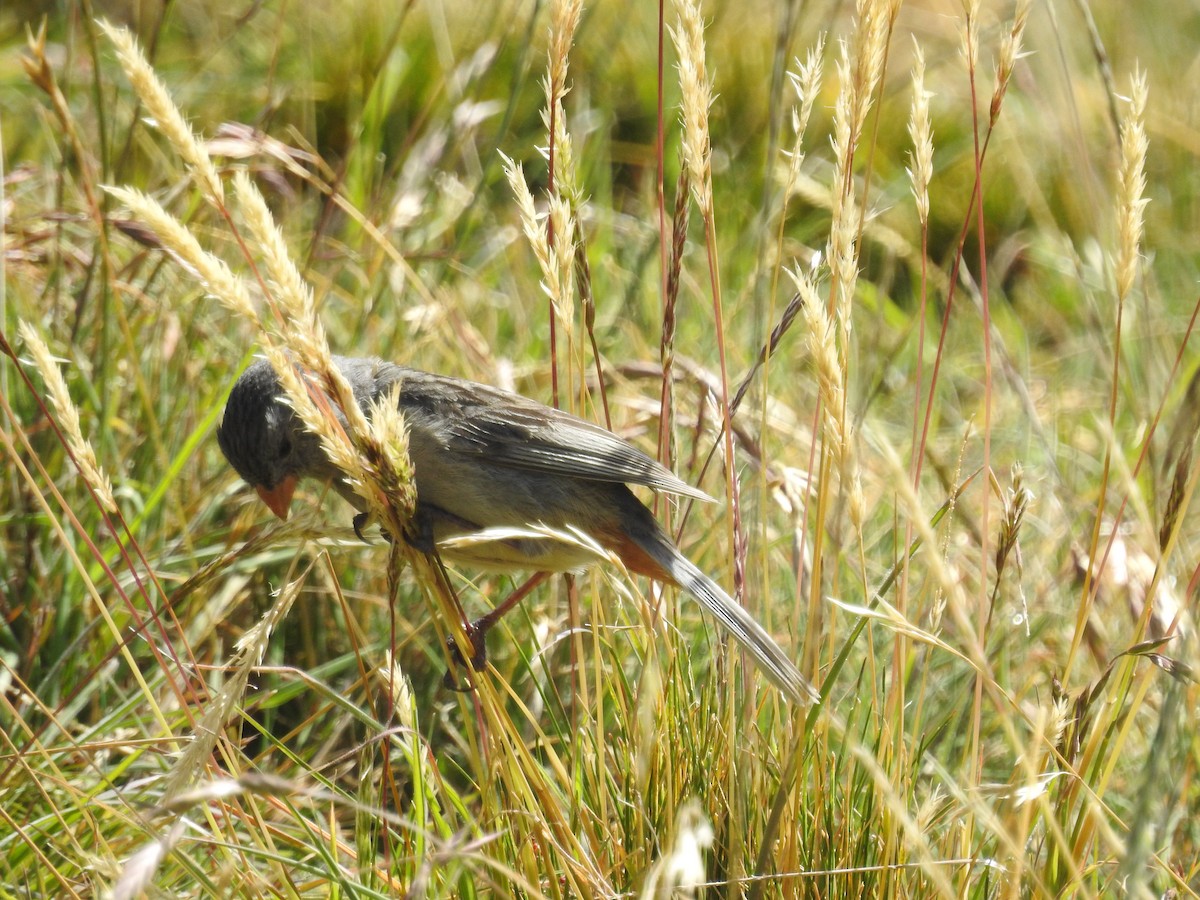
pixel 487 458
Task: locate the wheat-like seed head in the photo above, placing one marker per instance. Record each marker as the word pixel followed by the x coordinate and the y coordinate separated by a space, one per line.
pixel 166 115
pixel 292 292
pixel 1179 483
pixel 970 35
pixel 807 84
pixel 389 433
pixel 556 264
pixel 566 172
pixel 1060 719
pixel 564 21
pixel 858 77
pixel 68 416
pixel 830 374
pixel 920 174
pixel 872 30
pixel 391 675
pixel 843 230
pixel 212 272
pixel 300 327
pixel 530 224
pixel 1132 175
pixel 688 37
pixel 1010 52
pixel 560 285
pixel 856 506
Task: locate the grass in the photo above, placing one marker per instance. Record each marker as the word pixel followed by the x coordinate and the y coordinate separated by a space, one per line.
pixel 956 481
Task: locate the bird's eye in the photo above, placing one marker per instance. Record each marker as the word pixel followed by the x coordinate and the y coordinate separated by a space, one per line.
pixel 285 448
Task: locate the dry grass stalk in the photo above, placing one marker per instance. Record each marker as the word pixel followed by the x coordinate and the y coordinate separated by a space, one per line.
pixel 1181 445
pixel 68 416
pixel 666 347
pixel 41 73
pixel 920 174
pixel 807 85
pixel 9 440
pixel 250 650
pixel 166 115
pixel 696 88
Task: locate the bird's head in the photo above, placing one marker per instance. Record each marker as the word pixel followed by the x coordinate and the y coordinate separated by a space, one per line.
pixel 265 441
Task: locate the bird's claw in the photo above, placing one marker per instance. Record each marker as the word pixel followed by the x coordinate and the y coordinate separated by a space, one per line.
pixel 363 521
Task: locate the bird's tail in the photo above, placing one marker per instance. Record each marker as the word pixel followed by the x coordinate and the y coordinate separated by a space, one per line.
pixel 767 654
pixel 776 665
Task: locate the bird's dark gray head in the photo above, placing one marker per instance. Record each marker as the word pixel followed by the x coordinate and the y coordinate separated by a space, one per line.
pixel 267 443
pixel 259 432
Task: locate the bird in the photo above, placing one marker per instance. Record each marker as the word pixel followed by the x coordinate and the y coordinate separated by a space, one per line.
pixel 485 458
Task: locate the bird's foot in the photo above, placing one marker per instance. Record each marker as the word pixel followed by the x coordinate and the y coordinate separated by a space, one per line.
pixel 477 633
pixel 419 536
pixel 420 532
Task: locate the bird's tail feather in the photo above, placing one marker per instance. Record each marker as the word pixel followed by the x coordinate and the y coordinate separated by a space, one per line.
pixel 775 664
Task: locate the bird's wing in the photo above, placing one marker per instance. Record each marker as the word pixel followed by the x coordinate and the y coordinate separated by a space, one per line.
pixel 511 430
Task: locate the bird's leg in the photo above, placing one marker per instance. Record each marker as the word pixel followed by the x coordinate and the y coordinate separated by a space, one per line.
pixel 420 536
pixel 477 631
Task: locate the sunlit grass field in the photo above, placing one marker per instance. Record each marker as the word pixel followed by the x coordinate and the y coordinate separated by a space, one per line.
pixel 909 289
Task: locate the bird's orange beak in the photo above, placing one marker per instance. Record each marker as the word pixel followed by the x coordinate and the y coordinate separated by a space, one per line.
pixel 278 498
